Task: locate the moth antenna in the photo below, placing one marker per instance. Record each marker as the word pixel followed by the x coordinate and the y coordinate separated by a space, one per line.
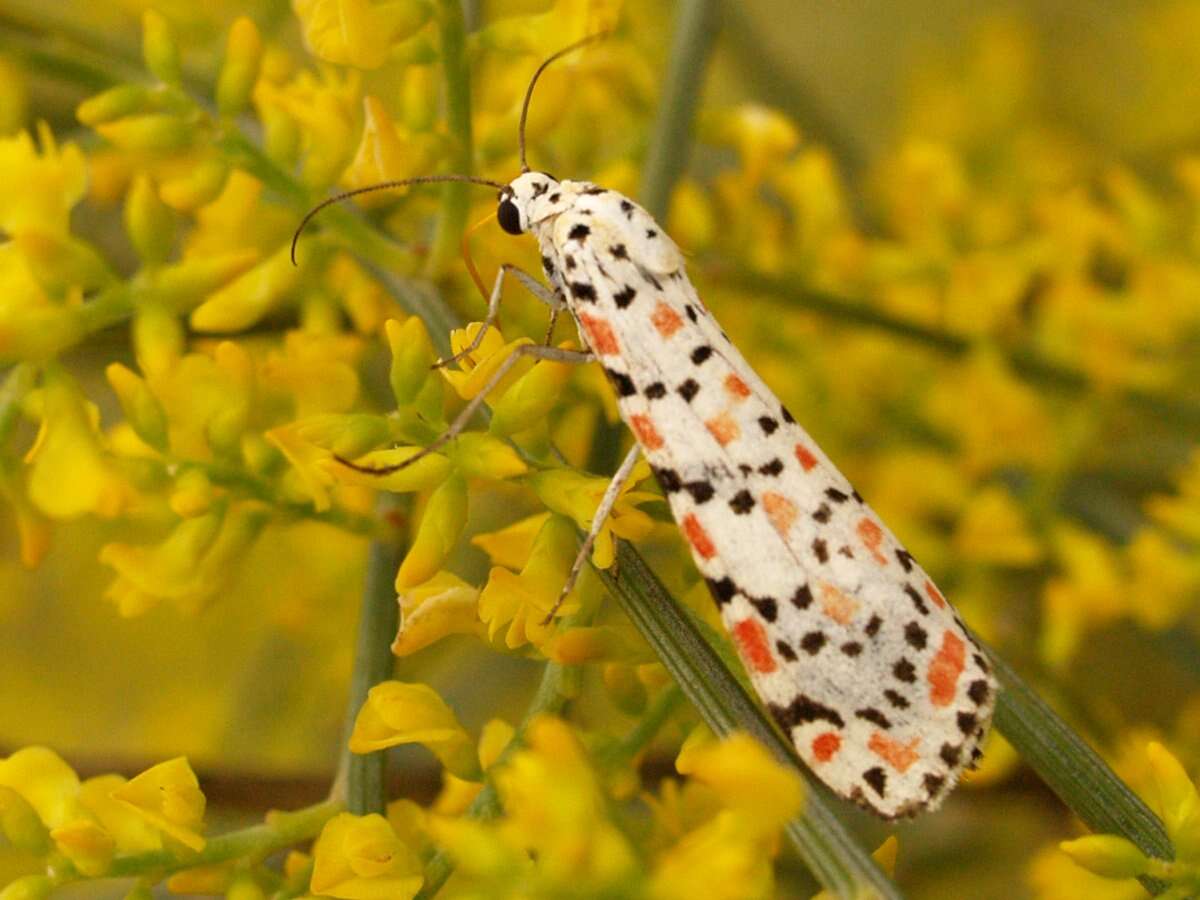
pixel 533 81
pixel 383 186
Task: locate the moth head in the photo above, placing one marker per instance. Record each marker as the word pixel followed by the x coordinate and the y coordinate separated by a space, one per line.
pixel 517 200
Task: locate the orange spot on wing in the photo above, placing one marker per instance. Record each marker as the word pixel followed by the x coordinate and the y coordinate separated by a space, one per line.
pixel 872 537
pixel 781 511
pixel 723 428
pixel 825 745
pixel 647 434
pixel 806 458
pixel 600 334
pixel 751 639
pixel 737 388
pixel 898 756
pixel 935 595
pixel 698 537
pixel 666 321
pixel 836 604
pixel 945 668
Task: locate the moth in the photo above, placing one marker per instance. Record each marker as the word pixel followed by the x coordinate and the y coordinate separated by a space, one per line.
pixel 853 649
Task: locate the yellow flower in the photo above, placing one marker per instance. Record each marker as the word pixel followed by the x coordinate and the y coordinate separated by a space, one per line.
pixel 511 546
pixel 1090 593
pixel 523 601
pixel 89 847
pixel 131 832
pixel 479 455
pixel 442 523
pixel 358 33
pixel 567 827
pixel 385 153
pixel 20 824
pixel 45 781
pixel 478 367
pixel 530 398
pixel 167 796
pixel 1164 578
pixel 1107 855
pixel 72 472
pixel 445 604
pixel 191 566
pixel 399 713
pixel 576 495
pixel 32 325
pixel 995 418
pixel 718 861
pixel 747 779
pixel 1178 802
pixel 40 188
pixel 993 530
pixel 360 858
pixel 1054 876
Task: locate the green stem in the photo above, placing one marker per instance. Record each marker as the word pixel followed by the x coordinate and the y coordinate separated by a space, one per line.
pixel 362 777
pixel 19 382
pixel 559 683
pixel 1073 770
pixel 692 44
pixel 1022 361
pixel 452 218
pixel 826 847
pixel 280 831
pixel 648 726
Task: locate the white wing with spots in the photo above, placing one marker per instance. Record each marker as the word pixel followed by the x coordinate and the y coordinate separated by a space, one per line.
pixel 849 643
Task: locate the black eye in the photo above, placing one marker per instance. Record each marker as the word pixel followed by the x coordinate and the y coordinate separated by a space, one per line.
pixel 509 218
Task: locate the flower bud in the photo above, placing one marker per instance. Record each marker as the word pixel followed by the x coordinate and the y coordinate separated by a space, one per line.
pixel 201 185
pixel 183 285
pixel 479 455
pixel 142 409
pixel 31 887
pixel 149 133
pixel 193 494
pixel 244 887
pixel 19 823
pixel 442 524
pixel 115 103
pixel 157 339
pixel 148 222
pixel 168 797
pixel 412 356
pixel 159 48
pixel 1107 855
pixel 530 399
pixel 420 98
pixel 239 71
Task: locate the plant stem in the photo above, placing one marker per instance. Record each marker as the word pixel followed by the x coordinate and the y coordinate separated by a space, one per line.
pixel 691 46
pixel 362 776
pixel 826 847
pixel 281 830
pixel 1073 770
pixel 452 217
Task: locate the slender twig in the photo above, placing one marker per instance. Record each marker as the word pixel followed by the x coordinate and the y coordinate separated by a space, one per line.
pixel 666 158
pixel 452 217
pixel 362 777
pixel 1073 770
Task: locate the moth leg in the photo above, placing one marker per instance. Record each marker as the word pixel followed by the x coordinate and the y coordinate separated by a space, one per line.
pixel 537 351
pixel 607 502
pixel 531 284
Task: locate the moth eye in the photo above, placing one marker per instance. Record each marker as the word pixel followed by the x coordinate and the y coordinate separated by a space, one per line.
pixel 508 217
